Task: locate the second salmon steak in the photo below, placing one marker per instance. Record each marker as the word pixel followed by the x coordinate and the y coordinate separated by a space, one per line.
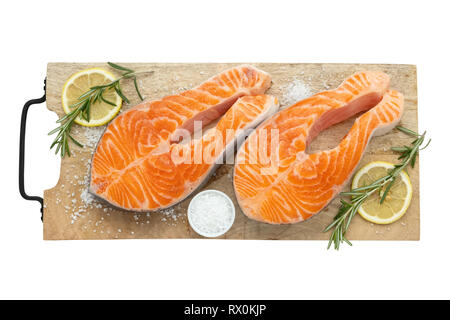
pixel 281 182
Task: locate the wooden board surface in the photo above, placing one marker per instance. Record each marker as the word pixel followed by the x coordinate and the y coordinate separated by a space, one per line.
pixel 70 214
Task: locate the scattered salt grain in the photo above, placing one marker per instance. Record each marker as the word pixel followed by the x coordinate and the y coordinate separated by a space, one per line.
pixel 87 197
pixel 170 215
pixel 92 135
pixel 294 92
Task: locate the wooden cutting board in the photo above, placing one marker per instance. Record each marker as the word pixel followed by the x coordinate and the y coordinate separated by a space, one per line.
pixel 70 214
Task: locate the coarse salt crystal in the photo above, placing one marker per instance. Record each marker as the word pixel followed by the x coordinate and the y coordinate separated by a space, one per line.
pixel 87 197
pixel 92 135
pixel 294 92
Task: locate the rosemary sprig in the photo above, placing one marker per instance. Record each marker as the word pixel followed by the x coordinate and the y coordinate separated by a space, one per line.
pixel 83 108
pixel 348 209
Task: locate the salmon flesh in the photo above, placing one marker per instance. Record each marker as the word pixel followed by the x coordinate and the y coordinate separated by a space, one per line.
pixel 138 164
pixel 281 183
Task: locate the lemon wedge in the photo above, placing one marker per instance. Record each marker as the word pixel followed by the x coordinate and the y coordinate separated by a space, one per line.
pixel 397 200
pixel 81 82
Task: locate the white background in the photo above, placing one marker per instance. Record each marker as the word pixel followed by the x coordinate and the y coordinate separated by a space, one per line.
pixel 37 32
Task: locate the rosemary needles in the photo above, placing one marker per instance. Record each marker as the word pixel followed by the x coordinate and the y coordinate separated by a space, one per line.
pixel 82 108
pixel 348 209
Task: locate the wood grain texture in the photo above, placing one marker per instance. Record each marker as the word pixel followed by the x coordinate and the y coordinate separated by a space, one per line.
pixel 102 222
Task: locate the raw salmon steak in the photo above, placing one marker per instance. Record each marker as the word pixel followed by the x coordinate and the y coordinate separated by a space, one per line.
pixel 276 181
pixel 137 166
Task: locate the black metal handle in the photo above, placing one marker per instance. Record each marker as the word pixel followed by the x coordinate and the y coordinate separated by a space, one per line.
pixel 23 124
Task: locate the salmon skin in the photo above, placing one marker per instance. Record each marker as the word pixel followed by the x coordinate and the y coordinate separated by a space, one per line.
pixel 284 184
pixel 138 167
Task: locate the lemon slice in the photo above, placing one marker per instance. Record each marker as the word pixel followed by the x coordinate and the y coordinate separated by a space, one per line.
pixel 81 82
pixel 397 200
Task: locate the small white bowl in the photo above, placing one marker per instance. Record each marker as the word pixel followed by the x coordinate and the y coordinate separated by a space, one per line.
pixel 205 233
